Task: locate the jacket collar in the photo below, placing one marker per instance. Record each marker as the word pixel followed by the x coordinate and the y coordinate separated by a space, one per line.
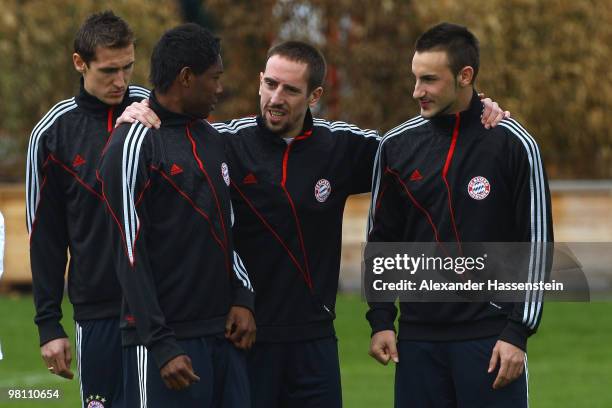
pixel 275 138
pixel 93 105
pixel 447 122
pixel 167 117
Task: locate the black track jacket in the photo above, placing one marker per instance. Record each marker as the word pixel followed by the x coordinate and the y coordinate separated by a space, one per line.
pixel 171 228
pixel 420 193
pixel 65 210
pixel 289 200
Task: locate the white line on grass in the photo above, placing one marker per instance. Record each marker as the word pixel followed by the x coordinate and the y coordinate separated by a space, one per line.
pixel 29 378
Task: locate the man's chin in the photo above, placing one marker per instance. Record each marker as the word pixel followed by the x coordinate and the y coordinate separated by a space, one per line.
pixel 428 113
pixel 115 100
pixel 275 128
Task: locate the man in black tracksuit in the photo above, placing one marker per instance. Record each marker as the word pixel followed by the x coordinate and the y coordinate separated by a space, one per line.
pixel 289 198
pixel 65 210
pixel 168 195
pixel 291 176
pixel 443 177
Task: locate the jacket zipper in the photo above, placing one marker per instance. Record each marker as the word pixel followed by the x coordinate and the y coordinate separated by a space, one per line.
pixel 307 276
pixel 449 158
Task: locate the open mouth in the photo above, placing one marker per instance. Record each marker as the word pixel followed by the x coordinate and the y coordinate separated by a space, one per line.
pixel 275 115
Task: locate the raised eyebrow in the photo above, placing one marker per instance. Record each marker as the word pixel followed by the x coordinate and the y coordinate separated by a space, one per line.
pixel 131 64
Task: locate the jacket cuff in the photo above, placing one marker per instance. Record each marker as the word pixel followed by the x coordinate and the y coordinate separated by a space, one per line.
pixel 245 298
pixel 50 330
pixel 165 350
pixel 516 334
pixel 380 320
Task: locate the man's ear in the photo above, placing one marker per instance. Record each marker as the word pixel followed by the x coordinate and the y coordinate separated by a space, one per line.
pixel 315 95
pixel 465 76
pixel 185 77
pixel 79 63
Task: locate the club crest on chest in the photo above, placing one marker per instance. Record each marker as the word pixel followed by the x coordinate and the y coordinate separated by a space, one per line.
pixel 322 190
pixel 479 188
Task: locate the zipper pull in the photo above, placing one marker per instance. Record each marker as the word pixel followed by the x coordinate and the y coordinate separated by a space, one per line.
pixel 330 312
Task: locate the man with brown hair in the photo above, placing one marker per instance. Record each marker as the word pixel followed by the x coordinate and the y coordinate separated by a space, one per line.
pixel 65 211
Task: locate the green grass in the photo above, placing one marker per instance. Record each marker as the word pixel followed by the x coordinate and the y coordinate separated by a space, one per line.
pixel 22 366
pixel 570 359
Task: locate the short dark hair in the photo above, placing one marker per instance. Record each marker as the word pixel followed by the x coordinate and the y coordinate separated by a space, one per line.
pixel 460 44
pixel 299 51
pixel 188 45
pixel 103 29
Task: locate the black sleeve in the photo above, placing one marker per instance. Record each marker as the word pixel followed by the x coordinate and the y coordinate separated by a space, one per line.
pixel 363 145
pixel 388 211
pixel 385 224
pixel 533 219
pixel 243 293
pixel 46 222
pixel 124 174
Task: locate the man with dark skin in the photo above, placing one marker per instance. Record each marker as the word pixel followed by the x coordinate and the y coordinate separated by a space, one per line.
pixel 188 298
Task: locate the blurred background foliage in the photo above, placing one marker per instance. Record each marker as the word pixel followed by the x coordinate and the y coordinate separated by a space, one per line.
pixel 36 71
pixel 547 61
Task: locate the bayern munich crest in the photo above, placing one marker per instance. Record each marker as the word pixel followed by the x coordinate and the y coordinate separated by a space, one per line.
pixel 479 188
pixel 95 401
pixel 322 190
pixel 225 173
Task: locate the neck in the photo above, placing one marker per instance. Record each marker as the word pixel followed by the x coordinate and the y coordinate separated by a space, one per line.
pixel 464 97
pixel 89 91
pixel 291 133
pixel 171 101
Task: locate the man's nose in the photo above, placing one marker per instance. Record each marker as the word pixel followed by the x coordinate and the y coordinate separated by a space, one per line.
pixel 276 98
pixel 418 91
pixel 119 80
